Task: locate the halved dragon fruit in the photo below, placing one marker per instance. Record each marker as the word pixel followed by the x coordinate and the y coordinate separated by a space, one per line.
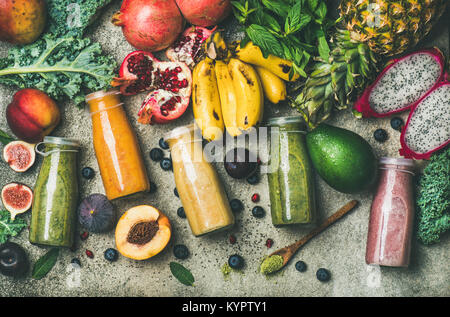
pixel 402 84
pixel 428 127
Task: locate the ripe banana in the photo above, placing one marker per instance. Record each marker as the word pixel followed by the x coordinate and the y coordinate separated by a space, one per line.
pixel 249 94
pixel 227 98
pixel 274 87
pixel 215 46
pixel 252 54
pixel 206 100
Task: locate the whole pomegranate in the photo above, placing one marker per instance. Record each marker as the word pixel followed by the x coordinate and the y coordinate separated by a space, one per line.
pixel 149 25
pixel 204 12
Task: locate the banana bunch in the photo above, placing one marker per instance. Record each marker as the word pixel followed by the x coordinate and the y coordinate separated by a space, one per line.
pixel 229 88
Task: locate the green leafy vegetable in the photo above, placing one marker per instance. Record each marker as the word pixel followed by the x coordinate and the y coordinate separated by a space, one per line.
pixel 45 264
pixel 9 228
pixel 5 138
pixel 72 17
pixel 61 67
pixel 294 30
pixel 182 274
pixel 433 199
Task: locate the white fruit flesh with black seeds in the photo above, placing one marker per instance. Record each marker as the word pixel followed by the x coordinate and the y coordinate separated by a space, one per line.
pixel 429 126
pixel 405 82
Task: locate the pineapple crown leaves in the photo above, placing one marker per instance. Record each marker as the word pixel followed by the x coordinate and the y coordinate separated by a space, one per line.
pixel 334 83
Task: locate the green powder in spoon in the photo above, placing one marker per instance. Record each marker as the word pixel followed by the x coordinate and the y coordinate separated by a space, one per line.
pixel 271 264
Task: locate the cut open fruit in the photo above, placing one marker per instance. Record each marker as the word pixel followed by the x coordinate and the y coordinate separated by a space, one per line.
pixel 19 155
pixel 142 232
pixel 428 127
pixel 188 47
pixel 17 198
pixel 403 83
pixel 169 83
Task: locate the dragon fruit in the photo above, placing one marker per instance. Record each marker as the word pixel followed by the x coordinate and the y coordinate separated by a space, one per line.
pixel 402 84
pixel 428 127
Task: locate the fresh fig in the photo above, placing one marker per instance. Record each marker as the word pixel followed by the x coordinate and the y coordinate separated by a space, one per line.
pixel 19 155
pixel 13 260
pixel 17 198
pixel 97 214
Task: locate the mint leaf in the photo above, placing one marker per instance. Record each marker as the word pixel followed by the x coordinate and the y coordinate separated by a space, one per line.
pixel 265 40
pixel 5 138
pixel 182 274
pixel 9 228
pixel 45 264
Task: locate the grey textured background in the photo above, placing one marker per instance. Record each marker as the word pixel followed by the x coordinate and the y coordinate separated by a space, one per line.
pixel 341 249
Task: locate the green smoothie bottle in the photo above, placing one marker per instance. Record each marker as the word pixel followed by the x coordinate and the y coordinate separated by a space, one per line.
pixel 53 219
pixel 291 177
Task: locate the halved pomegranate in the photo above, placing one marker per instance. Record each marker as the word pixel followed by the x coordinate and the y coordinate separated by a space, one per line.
pixel 170 84
pixel 17 198
pixel 188 47
pixel 19 155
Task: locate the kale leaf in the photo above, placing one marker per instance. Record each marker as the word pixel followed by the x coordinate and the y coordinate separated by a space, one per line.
pixel 9 228
pixel 59 66
pixel 433 199
pixel 72 17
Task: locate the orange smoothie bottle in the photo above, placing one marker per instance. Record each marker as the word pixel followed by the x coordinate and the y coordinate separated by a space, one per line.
pixel 118 153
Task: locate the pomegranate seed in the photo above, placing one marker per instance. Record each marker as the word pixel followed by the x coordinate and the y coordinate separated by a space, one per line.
pixel 89 254
pixel 165 113
pixel 255 198
pixel 84 235
pixel 269 243
pixel 178 69
pixel 232 239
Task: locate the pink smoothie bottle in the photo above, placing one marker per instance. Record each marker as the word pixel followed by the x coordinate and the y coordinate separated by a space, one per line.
pixel 392 214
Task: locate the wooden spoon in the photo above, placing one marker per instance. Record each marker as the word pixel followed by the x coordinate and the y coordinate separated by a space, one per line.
pixel 288 252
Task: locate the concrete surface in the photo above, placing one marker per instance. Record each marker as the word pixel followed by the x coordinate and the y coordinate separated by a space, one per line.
pixel 341 249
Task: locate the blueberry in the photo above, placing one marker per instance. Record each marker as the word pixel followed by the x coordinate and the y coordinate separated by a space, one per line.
pixel 258 212
pixel 181 252
pixel 88 173
pixel 236 262
pixel 111 255
pixel 253 179
pixel 156 154
pixel 380 135
pixel 397 123
pixel 323 275
pixel 163 144
pixel 175 191
pixel 181 213
pixel 166 164
pixel 76 261
pixel 236 205
pixel 153 188
pixel 300 266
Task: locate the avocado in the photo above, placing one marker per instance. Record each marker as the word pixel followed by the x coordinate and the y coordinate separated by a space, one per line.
pixel 343 159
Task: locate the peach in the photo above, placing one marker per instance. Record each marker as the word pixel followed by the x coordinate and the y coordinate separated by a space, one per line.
pixel 32 115
pixel 22 21
pixel 142 232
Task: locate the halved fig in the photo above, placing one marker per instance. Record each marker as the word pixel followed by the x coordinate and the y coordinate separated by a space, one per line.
pixel 142 232
pixel 97 214
pixel 19 155
pixel 17 198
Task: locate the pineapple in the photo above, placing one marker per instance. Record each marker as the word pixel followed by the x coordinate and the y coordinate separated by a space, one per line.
pixel 374 29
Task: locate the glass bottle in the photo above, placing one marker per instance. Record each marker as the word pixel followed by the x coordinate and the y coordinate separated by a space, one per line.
pixel 53 219
pixel 116 146
pixel 392 215
pixel 291 178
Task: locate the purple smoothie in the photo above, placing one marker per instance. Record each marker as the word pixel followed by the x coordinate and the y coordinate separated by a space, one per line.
pixel 391 215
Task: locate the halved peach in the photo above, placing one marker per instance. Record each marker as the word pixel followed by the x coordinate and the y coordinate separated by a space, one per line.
pixel 142 232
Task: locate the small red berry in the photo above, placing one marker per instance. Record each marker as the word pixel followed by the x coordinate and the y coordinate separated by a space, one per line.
pixel 89 254
pixel 255 198
pixel 232 239
pixel 269 243
pixel 84 235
